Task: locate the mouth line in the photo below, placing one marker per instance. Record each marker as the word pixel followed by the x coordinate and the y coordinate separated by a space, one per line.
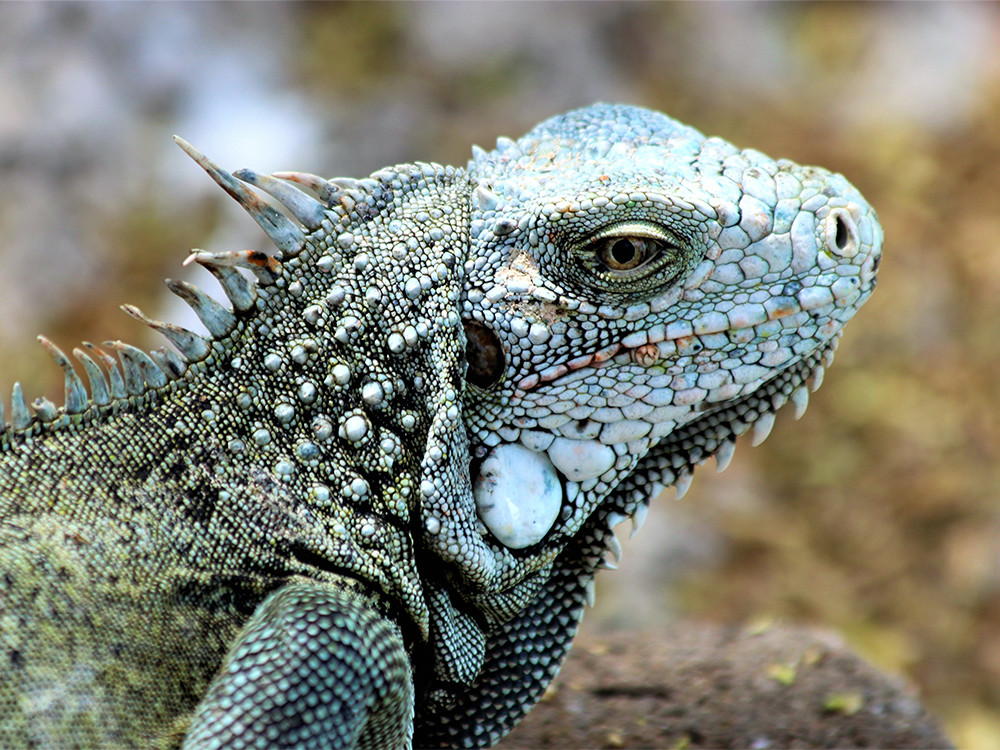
pixel 656 344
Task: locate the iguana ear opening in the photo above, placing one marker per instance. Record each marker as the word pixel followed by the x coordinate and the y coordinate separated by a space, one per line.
pixel 484 353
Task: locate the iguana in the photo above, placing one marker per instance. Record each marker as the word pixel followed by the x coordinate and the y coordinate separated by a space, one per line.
pixel 367 508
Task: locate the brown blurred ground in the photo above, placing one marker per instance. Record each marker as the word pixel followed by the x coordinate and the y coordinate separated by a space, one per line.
pixel 875 516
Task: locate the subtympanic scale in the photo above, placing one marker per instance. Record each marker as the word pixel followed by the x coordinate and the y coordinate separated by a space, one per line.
pixel 518 495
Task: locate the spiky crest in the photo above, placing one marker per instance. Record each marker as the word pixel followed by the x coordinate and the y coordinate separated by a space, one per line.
pixel 135 372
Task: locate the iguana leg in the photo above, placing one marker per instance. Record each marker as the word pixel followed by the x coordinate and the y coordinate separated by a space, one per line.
pixel 316 666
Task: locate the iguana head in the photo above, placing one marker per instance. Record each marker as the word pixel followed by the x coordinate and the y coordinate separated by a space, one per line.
pixel 637 297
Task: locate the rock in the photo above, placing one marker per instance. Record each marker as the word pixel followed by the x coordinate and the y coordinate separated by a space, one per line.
pixel 696 685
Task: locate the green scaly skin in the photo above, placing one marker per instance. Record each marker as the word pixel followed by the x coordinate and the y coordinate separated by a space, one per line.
pixel 278 534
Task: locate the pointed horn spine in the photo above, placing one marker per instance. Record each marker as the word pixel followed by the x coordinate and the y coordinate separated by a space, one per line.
pixel 762 428
pixel 98 384
pixel 288 238
pixel 724 455
pixel 115 380
pixel 173 366
pixel 20 417
pixel 508 147
pixel 639 516
pixel 615 547
pixel 265 267
pixel 76 394
pixel 309 211
pixel 140 370
pixel 217 319
pixel 151 373
pixel 192 347
pixel 238 288
pixel 486 199
pixel 325 190
pixel 800 399
pixel 683 483
pixel 134 384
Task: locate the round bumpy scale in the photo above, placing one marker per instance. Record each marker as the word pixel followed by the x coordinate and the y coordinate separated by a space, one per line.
pixel 518 495
pixel 355 428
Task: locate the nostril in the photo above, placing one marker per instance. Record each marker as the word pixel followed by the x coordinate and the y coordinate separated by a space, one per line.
pixel 842 233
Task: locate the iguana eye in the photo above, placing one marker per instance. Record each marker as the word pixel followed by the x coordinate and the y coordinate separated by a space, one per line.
pixel 629 251
pixel 626 253
pixel 629 259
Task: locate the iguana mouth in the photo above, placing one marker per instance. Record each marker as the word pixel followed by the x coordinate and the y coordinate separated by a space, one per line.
pixel 756 410
pixel 659 343
pixel 673 460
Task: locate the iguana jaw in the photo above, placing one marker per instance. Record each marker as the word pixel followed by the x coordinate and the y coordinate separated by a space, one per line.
pixel 673 461
pixel 529 515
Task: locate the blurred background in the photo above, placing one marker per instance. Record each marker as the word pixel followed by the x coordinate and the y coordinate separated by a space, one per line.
pixel 876 515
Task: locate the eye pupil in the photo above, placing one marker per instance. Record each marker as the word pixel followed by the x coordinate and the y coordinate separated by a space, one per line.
pixel 624 251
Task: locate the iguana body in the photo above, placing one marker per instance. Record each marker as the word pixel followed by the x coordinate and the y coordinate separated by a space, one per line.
pixel 367 509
